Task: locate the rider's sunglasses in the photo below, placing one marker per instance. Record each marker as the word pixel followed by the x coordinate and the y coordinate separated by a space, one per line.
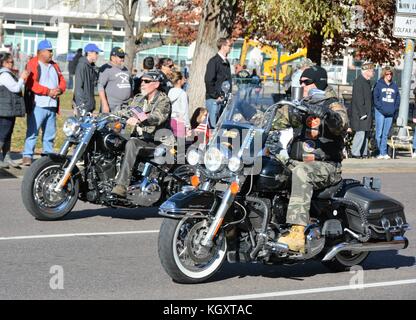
pixel 147 81
pixel 306 82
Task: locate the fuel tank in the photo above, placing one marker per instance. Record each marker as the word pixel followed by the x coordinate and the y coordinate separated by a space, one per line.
pixel 274 175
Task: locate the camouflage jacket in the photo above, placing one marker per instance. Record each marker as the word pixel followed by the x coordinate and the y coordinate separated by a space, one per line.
pixel 157 111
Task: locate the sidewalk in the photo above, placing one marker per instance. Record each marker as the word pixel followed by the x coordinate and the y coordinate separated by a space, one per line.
pixel 401 165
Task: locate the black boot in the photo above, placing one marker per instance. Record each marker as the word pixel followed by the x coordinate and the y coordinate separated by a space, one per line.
pixel 6 154
pixel 3 165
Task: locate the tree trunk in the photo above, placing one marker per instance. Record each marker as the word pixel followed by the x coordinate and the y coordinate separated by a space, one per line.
pixel 129 10
pixel 315 47
pixel 217 21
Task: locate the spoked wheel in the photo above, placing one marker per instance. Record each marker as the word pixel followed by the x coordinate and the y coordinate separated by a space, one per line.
pixel 38 194
pixel 181 254
pixel 344 260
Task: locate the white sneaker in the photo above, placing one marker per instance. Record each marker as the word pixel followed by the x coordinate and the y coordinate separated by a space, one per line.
pixel 380 157
pixel 414 155
pixel 387 157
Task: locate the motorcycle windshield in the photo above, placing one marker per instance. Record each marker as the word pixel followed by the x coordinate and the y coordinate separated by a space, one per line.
pixel 243 114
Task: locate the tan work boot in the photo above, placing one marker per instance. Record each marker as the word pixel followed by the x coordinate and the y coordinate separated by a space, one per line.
pixel 119 190
pixel 295 239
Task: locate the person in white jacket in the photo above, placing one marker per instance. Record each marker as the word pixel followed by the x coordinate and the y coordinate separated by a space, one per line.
pixel 180 106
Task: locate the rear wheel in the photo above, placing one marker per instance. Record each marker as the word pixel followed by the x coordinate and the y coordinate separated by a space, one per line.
pixel 38 193
pixel 344 260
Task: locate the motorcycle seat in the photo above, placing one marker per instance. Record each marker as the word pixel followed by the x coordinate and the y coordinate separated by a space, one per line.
pixel 147 152
pixel 327 193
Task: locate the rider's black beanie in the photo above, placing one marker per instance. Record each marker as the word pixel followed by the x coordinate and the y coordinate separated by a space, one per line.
pixel 318 75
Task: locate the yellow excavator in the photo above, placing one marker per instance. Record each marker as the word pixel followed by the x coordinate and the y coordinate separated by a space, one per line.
pixel 273 61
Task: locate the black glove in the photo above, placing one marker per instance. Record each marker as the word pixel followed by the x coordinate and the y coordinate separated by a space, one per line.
pixel 317 110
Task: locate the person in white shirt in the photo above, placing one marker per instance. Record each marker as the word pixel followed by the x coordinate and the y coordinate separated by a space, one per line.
pixel 180 107
pixel 11 106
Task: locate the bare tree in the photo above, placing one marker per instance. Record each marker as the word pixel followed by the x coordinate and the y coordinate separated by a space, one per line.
pixel 217 21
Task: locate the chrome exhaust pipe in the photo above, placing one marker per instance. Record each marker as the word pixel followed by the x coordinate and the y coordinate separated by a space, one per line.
pixel 398 243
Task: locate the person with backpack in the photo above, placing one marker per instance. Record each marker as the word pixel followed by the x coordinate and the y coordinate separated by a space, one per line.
pixel 11 106
pixel 44 85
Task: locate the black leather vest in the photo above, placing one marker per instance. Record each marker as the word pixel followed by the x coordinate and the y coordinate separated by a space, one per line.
pixel 315 142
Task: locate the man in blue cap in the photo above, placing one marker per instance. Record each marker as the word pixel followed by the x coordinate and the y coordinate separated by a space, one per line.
pixel 43 87
pixel 85 78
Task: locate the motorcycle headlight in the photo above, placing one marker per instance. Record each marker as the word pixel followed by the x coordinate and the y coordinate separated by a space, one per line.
pixel 193 157
pixel 71 127
pixel 234 164
pixel 214 159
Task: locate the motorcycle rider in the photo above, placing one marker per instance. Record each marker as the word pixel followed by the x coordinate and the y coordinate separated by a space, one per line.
pixel 316 153
pixel 156 109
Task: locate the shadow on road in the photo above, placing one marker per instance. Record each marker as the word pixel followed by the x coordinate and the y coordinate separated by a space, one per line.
pixel 119 213
pixel 375 261
pixel 7 174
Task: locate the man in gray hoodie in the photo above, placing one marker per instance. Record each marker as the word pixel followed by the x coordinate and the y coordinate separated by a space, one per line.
pixel 85 78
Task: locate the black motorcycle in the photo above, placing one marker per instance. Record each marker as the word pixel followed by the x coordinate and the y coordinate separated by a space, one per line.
pixel 236 208
pixel 52 185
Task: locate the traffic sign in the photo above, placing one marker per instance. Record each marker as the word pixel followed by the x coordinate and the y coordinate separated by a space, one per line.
pixel 406 6
pixel 404 27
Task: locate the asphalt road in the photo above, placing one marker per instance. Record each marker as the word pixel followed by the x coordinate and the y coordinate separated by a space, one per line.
pixel 112 254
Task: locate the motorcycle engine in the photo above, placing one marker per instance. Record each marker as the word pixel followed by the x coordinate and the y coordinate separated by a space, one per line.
pixel 145 193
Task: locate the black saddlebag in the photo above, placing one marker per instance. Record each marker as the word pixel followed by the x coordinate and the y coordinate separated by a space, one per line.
pixel 384 214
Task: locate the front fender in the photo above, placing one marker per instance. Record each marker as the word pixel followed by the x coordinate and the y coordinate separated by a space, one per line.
pixel 58 157
pixel 196 203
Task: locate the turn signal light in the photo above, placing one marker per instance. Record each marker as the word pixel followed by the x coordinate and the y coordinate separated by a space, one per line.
pixel 195 181
pixel 117 127
pixel 234 188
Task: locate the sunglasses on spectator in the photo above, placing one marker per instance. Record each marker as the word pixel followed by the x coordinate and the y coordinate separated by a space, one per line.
pixel 306 82
pixel 147 81
pixel 389 74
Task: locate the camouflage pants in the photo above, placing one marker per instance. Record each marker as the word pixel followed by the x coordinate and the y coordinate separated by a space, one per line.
pixel 307 177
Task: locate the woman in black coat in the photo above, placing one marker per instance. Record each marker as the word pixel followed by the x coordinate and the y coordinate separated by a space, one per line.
pixel 361 110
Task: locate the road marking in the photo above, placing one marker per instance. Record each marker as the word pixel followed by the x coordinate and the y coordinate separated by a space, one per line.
pixel 68 235
pixel 316 290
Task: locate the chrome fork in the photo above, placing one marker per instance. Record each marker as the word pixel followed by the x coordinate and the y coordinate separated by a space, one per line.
pixel 79 151
pixel 226 202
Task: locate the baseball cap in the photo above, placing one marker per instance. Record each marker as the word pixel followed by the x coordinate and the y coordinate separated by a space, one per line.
pixel 45 45
pixel 117 51
pixel 367 66
pixel 154 75
pixel 92 47
pixel 318 75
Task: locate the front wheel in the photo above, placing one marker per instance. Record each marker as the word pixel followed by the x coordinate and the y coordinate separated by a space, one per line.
pixel 38 193
pixel 181 254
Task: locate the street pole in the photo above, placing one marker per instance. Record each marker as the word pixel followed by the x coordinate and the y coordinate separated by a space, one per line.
pixel 406 80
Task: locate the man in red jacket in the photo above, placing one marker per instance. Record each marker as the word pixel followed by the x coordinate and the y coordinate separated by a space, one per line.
pixel 43 87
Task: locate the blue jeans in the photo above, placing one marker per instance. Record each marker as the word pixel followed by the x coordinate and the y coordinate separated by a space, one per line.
pixel 383 126
pixel 414 141
pixel 44 118
pixel 213 112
